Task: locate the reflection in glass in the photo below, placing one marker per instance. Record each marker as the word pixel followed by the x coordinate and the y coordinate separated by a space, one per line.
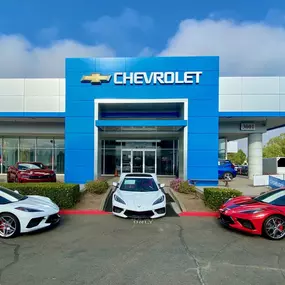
pixel 112 160
pixel 137 161
pixel 10 153
pixel 126 161
pixel 45 156
pixel 59 161
pixel 165 162
pixel 150 161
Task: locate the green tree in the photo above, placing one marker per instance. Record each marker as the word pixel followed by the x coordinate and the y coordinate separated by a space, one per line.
pixel 275 147
pixel 237 158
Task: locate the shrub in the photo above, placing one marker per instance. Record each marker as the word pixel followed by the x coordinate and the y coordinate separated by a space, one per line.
pixel 65 195
pixel 98 186
pixel 174 184
pixel 181 186
pixel 186 188
pixel 215 197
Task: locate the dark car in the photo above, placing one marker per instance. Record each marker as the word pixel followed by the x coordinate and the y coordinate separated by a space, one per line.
pixel 23 172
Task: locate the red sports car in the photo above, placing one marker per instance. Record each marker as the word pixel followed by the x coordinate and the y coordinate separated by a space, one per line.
pixel 30 172
pixel 261 215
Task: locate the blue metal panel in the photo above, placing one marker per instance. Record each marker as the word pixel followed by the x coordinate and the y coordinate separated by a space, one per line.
pixel 202 109
pixel 141 123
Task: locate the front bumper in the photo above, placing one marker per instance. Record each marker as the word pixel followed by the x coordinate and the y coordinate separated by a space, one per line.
pixel 35 180
pixel 243 222
pixel 40 222
pixel 121 210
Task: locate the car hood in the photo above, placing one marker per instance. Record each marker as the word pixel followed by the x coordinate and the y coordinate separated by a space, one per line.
pixel 139 199
pixel 37 202
pixel 246 203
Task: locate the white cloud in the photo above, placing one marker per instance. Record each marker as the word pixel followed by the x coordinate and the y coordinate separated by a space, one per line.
pixel 19 58
pixel 244 48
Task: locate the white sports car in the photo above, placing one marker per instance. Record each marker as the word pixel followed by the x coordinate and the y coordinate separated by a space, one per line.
pixel 139 196
pixel 22 214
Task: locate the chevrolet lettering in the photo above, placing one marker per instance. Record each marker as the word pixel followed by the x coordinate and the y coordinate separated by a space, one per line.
pixel 139 78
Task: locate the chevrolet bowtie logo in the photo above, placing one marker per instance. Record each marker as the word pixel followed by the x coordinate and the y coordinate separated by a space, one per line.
pixel 95 78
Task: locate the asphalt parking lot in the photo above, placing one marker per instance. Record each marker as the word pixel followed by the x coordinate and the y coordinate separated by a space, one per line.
pixel 109 250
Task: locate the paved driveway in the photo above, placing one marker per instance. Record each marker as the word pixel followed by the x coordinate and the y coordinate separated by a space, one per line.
pixel 108 250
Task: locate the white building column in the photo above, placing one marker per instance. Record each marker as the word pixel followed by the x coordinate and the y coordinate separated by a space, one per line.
pixel 254 155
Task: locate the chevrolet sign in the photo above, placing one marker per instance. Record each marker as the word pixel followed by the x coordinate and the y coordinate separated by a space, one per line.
pixel 140 78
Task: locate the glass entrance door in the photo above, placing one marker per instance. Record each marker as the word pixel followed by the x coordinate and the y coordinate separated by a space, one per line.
pixel 138 161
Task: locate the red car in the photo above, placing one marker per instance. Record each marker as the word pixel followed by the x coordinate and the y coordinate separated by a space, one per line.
pixel 30 172
pixel 262 215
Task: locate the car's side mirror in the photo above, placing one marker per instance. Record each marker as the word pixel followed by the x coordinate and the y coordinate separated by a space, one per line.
pixel 16 191
pixel 115 184
pixel 162 185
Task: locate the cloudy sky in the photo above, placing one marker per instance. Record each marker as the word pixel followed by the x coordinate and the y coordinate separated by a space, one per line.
pixel 36 36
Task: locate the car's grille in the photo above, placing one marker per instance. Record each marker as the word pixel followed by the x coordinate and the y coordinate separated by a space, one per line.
pixel 53 219
pixel 226 219
pixel 39 176
pixel 144 214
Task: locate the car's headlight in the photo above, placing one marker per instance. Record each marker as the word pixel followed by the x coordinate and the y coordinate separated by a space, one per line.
pixel 119 200
pixel 252 211
pixel 30 210
pixel 159 200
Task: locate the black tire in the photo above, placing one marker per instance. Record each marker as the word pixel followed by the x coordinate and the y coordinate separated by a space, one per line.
pixel 228 175
pixel 16 222
pixel 266 233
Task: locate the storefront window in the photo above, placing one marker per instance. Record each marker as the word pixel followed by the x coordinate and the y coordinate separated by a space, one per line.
pixel 10 153
pixel 49 151
pixel 59 161
pixel 112 161
pixel 27 149
pixel 165 162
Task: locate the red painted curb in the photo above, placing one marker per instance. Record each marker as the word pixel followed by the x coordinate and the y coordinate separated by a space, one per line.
pixel 83 212
pixel 198 214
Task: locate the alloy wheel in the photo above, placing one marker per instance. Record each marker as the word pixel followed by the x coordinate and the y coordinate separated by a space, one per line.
pixel 275 227
pixel 8 226
pixel 228 175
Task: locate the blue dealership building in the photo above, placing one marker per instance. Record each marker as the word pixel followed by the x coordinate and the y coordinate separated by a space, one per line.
pixel 163 115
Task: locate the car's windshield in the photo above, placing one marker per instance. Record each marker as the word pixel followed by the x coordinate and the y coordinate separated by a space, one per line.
pixel 26 166
pixel 138 184
pixel 274 197
pixel 4 192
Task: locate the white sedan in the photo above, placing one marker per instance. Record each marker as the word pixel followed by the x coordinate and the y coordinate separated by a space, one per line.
pixel 138 196
pixel 22 214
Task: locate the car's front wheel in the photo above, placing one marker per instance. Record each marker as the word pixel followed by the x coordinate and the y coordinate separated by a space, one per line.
pixel 274 227
pixel 9 225
pixel 228 175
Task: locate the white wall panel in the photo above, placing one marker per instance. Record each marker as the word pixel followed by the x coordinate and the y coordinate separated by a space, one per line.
pixel 11 103
pixel 230 85
pixel 62 104
pixel 229 103
pixel 282 85
pixel 41 104
pixel 269 103
pixel 11 87
pixel 42 87
pixel 257 94
pixel 62 87
pixel 260 85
